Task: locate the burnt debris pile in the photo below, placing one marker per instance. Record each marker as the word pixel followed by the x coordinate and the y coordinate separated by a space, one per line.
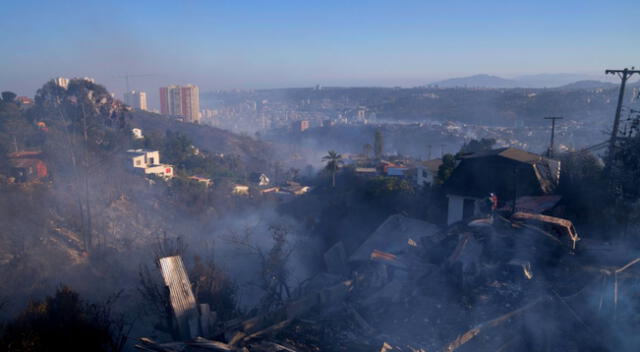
pixel 507 282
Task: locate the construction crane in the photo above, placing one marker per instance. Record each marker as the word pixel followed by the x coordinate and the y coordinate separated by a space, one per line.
pixel 127 76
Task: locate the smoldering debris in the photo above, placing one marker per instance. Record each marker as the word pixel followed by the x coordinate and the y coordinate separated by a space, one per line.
pixel 511 284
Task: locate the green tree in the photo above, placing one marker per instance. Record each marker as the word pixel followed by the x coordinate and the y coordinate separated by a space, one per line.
pixel 8 97
pixel 446 169
pixel 334 162
pixel 475 146
pixel 15 131
pixel 378 144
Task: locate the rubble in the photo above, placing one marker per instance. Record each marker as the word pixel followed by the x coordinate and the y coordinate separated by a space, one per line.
pixel 412 287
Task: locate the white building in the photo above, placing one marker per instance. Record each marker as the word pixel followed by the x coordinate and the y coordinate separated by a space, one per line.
pixel 427 172
pixel 149 162
pixel 136 99
pixel 61 82
pixel 137 133
pixel 183 101
pixel 264 180
pixel 240 190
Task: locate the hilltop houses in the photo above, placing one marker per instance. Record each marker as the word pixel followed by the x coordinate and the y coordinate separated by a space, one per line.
pixel 148 162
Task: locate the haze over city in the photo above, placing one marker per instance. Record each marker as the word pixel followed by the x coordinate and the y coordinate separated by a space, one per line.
pixel 277 44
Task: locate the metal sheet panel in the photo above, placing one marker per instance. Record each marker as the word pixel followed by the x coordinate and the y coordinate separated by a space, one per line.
pixel 182 300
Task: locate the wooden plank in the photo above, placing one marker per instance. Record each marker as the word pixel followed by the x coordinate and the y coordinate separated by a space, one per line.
pixel 182 300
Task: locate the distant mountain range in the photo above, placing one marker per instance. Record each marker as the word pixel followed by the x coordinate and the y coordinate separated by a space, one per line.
pixel 477 81
pixel 561 80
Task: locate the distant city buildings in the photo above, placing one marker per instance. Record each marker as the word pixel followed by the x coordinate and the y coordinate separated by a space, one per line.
pixel 183 101
pixel 136 99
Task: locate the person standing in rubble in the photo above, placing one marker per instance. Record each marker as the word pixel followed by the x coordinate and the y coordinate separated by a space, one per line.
pixel 489 205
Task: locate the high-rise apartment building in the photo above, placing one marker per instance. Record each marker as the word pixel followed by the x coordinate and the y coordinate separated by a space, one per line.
pixel 136 99
pixel 181 101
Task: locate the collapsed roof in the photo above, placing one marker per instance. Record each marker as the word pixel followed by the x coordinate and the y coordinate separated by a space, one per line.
pixel 392 236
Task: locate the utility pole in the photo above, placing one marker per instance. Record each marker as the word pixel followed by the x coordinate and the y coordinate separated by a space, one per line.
pixel 441 150
pixel 553 133
pixel 624 76
pixel 429 155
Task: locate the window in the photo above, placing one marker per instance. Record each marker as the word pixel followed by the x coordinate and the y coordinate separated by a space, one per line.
pixel 138 162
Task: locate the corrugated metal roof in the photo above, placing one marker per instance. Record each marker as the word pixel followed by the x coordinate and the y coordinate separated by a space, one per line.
pixel 509 153
pixel 182 300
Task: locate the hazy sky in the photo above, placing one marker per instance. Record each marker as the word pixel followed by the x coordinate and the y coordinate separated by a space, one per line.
pixel 258 44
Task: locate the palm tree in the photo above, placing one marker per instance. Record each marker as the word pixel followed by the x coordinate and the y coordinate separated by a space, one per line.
pixel 334 161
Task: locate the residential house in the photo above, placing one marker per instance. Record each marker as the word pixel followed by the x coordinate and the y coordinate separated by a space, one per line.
pixel 259 178
pixel 509 173
pixel 148 161
pixel 397 171
pixel 427 172
pixel 27 166
pixel 366 171
pixel 263 180
pixel 240 190
pixel 207 182
pixel 137 133
pixel 274 189
pixel 295 188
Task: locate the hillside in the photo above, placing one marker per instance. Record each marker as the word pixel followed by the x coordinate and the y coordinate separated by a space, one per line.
pixel 545 80
pixel 89 221
pixel 588 84
pixel 478 81
pixel 205 137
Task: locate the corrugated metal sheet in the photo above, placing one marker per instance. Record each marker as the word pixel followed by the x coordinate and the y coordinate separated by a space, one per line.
pixel 182 300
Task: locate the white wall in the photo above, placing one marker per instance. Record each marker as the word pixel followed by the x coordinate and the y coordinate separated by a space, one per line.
pixel 156 158
pixel 455 208
pixel 139 161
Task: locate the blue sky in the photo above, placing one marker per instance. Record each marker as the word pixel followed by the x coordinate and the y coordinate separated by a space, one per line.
pixel 258 44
